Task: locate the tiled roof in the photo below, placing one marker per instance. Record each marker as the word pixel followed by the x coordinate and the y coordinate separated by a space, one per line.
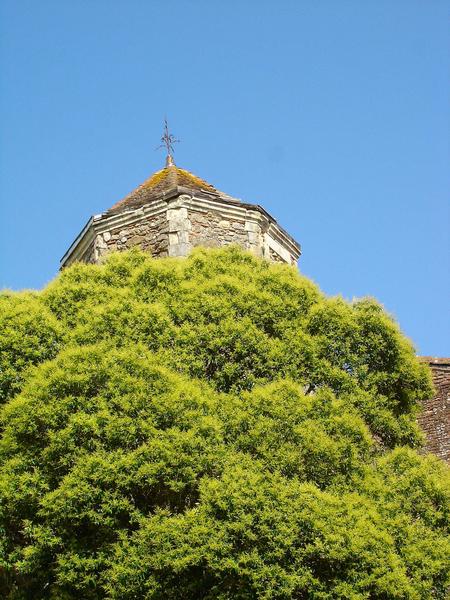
pixel 435 360
pixel 161 182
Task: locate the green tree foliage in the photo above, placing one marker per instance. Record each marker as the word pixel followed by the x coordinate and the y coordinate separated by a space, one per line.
pixel 29 335
pixel 212 428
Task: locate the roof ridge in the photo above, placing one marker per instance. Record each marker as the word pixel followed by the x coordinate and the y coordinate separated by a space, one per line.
pixel 157 184
pixel 436 360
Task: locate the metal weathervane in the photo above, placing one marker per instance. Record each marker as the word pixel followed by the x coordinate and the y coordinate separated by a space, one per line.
pixel 167 142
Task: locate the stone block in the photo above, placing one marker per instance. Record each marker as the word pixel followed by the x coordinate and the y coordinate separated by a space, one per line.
pixel 136 240
pixel 254 227
pixel 178 224
pixel 174 225
pixel 100 242
pixel 237 225
pixel 253 238
pixel 183 237
pixel 179 249
pixel 199 219
pixel 176 213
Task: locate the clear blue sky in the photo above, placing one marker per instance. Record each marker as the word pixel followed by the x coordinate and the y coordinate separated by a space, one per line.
pixel 333 115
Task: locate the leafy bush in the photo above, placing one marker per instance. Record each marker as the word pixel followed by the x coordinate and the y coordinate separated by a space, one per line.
pixel 213 428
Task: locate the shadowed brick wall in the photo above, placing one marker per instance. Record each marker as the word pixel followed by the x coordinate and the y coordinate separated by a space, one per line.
pixel 435 418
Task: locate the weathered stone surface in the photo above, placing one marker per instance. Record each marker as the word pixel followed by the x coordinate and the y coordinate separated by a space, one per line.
pixel 179 249
pixel 253 238
pixel 253 227
pixel 150 234
pixel 173 226
pixel 211 230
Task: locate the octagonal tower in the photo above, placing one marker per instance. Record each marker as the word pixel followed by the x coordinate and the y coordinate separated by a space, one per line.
pixel 175 211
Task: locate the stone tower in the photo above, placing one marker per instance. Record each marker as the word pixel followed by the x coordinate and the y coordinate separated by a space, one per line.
pixel 174 211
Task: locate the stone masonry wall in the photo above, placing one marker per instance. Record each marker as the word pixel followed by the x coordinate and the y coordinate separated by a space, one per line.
pixel 435 418
pixel 174 226
pixel 212 230
pixel 175 231
pixel 150 234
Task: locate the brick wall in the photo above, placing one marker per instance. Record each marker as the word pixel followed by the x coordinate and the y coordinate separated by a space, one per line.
pixel 435 418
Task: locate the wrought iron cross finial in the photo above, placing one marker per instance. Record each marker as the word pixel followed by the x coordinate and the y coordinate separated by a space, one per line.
pixel 168 140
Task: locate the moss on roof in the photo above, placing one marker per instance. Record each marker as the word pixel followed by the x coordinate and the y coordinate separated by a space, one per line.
pixel 160 183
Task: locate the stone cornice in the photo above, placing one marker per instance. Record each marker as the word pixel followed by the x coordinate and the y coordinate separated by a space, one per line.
pixel 77 240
